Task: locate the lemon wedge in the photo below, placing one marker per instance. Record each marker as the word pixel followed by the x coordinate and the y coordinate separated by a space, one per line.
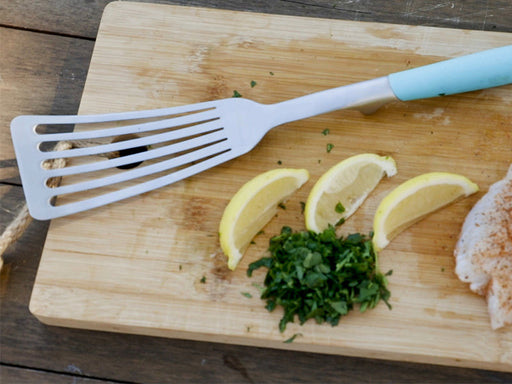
pixel 343 188
pixel 414 199
pixel 253 206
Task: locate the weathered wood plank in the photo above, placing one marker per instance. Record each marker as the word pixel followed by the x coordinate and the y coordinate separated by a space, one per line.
pixel 49 62
pixel 81 18
pixel 41 74
pixel 11 202
pixel 21 375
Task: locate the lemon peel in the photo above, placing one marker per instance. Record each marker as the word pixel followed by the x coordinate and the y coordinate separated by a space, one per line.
pixel 253 206
pixel 414 199
pixel 343 188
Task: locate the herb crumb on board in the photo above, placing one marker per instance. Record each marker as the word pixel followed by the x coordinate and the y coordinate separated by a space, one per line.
pixel 291 339
pixel 339 208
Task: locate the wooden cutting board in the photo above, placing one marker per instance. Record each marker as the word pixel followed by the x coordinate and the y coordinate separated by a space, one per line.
pixel 152 264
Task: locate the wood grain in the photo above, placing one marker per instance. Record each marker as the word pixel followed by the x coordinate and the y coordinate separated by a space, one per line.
pixel 29 376
pixel 30 84
pixel 81 18
pixel 147 278
pixel 81 354
pixel 37 349
pixel 32 351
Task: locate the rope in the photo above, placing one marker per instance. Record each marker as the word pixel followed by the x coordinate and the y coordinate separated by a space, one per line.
pixel 20 223
pixel 14 230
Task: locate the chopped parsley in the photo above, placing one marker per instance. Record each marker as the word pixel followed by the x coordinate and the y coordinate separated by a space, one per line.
pixel 329 147
pixel 271 73
pixel 291 339
pixel 281 205
pixel 203 280
pixel 320 276
pixel 246 294
pixel 325 132
pixel 236 93
pixel 339 208
pixel 253 83
pixel 259 287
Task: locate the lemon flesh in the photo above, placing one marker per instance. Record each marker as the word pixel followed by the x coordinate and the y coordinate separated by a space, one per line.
pixel 347 183
pixel 255 203
pixel 414 199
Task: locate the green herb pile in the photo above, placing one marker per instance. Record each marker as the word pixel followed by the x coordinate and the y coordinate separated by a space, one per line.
pixel 320 276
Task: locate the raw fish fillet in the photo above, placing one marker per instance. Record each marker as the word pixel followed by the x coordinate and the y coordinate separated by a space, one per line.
pixel 484 251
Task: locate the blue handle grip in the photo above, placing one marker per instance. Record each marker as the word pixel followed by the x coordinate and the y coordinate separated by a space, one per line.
pixel 480 70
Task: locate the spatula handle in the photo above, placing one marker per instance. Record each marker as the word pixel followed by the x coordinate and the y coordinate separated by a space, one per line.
pixel 486 69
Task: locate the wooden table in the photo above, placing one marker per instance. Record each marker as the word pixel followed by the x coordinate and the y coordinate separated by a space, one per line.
pixel 46 48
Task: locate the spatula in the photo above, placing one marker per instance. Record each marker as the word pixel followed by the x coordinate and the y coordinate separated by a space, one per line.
pixel 118 155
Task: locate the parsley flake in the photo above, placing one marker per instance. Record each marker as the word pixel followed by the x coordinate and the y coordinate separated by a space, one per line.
pixel 325 132
pixel 259 287
pixel 253 83
pixel 236 93
pixel 291 339
pixel 339 208
pixel 329 147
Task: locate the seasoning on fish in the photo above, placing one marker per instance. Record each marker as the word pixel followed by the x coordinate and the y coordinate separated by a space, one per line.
pixel 484 251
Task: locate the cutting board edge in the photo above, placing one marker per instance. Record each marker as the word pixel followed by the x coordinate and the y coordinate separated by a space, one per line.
pixel 123 4
pixel 257 342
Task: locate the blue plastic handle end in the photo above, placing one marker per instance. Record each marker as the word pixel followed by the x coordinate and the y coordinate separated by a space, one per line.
pixel 486 69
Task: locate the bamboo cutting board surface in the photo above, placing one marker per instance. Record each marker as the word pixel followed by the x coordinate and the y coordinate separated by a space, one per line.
pixel 152 264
